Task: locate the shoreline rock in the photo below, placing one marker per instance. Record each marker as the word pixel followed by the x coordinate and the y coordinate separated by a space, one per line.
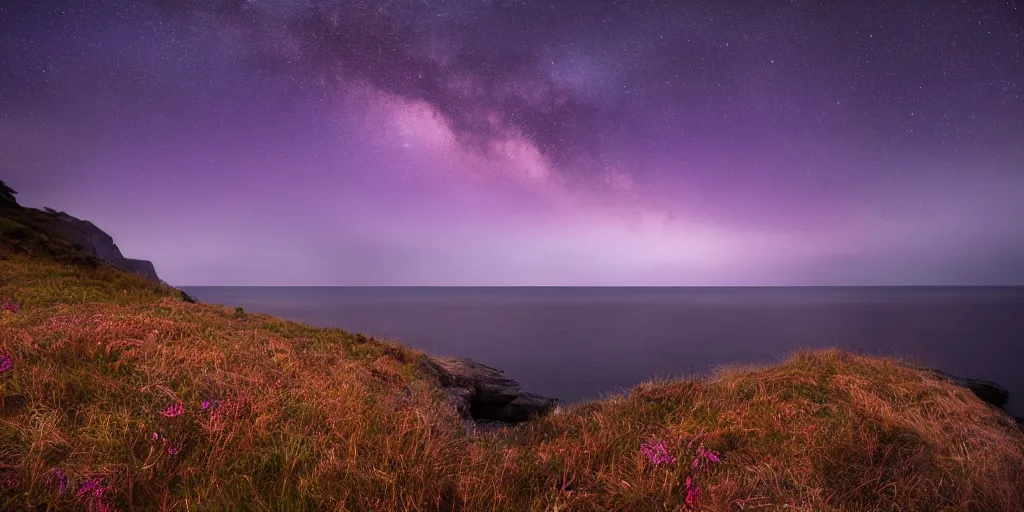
pixel 484 395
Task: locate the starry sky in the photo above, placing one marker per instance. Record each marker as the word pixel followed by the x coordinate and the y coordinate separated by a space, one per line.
pixel 516 142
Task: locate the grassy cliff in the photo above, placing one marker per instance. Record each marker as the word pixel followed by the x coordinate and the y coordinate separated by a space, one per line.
pixel 117 394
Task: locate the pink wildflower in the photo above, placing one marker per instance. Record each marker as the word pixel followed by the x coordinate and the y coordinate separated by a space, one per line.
pixel 93 486
pixel 5 363
pixel 657 453
pixel 707 454
pixel 174 410
pixel 156 437
pixel 205 405
pixel 9 306
pixel 173 450
pixel 693 493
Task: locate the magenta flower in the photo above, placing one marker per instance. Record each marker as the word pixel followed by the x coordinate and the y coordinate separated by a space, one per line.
pixel 657 453
pixel 156 437
pixel 9 306
pixel 693 493
pixel 5 363
pixel 92 485
pixel 174 410
pixel 173 450
pixel 708 454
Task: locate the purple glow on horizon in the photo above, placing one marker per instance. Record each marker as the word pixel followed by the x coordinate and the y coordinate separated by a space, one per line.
pixel 524 143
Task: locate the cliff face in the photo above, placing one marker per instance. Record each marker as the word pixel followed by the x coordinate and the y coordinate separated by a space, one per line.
pixel 59 234
pixel 92 240
pixel 143 268
pixel 95 242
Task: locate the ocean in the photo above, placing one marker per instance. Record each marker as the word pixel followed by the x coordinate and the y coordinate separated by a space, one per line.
pixel 580 343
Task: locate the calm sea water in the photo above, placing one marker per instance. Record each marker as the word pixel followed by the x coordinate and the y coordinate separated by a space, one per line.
pixel 578 343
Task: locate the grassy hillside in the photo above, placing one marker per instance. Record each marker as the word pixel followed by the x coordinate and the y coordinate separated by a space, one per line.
pixel 119 395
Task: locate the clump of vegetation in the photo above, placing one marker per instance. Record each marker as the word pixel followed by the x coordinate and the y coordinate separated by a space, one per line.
pixel 117 394
pixel 188 298
pixel 239 312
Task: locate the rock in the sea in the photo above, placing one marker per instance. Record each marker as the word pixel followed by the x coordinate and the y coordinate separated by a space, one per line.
pixel 485 394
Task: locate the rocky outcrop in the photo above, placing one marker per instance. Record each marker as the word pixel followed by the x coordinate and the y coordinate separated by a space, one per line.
pixel 143 268
pixel 988 392
pixel 484 394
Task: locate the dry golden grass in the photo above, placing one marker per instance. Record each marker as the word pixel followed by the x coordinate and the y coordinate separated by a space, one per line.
pixel 302 418
pixel 825 430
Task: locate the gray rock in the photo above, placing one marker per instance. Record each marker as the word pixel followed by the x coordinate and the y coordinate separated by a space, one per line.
pixel 484 394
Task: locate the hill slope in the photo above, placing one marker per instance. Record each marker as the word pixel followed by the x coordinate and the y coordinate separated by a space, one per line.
pixel 119 395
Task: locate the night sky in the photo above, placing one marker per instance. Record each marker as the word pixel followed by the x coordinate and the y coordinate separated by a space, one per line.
pixel 501 142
